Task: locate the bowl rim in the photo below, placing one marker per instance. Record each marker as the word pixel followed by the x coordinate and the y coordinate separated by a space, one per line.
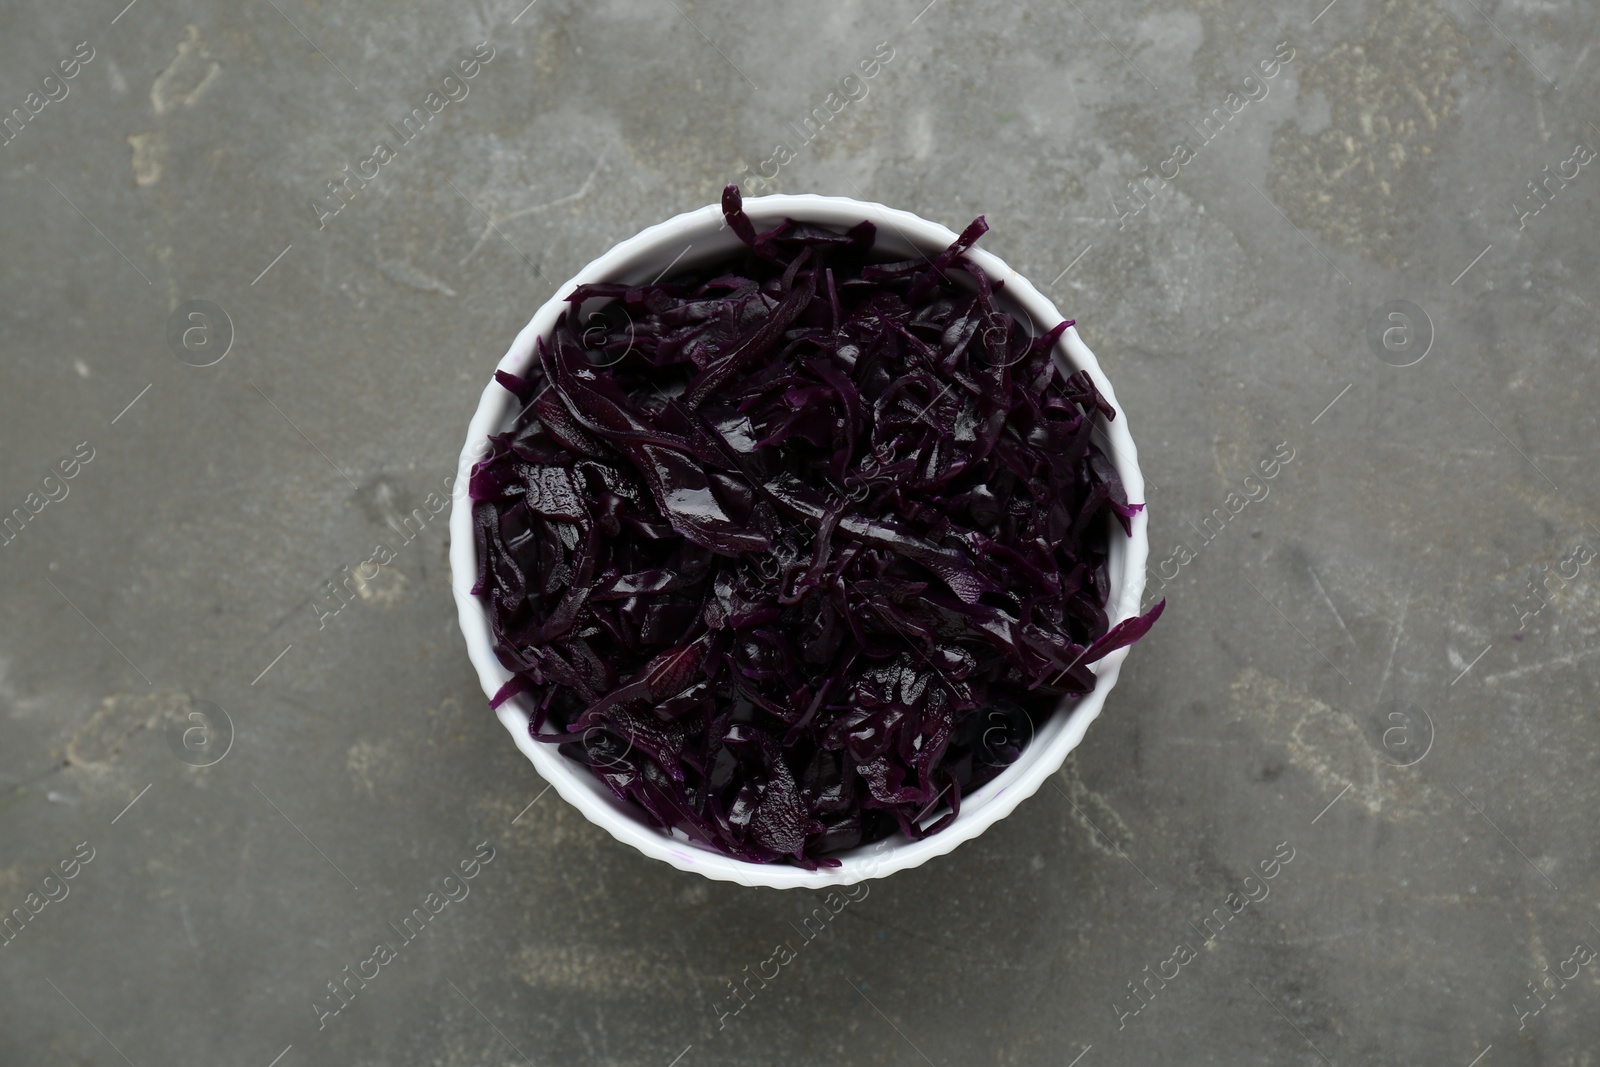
pixel 1126 562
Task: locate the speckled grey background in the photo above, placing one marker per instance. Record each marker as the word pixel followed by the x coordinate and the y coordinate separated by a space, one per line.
pixel 1353 668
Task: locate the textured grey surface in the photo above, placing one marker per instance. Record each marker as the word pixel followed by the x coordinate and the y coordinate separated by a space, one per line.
pixel 1385 573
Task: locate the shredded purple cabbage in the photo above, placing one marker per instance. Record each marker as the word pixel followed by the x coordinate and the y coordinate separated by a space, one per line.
pixel 795 551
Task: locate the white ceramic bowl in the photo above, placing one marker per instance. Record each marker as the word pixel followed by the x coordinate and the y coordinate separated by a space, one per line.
pixel 698 237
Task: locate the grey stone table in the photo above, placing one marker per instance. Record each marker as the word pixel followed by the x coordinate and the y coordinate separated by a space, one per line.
pixel 1354 243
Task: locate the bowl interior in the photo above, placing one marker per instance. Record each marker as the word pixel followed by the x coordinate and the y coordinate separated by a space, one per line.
pixel 699 238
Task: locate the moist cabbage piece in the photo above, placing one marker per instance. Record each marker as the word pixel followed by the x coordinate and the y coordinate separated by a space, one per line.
pixel 795 551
